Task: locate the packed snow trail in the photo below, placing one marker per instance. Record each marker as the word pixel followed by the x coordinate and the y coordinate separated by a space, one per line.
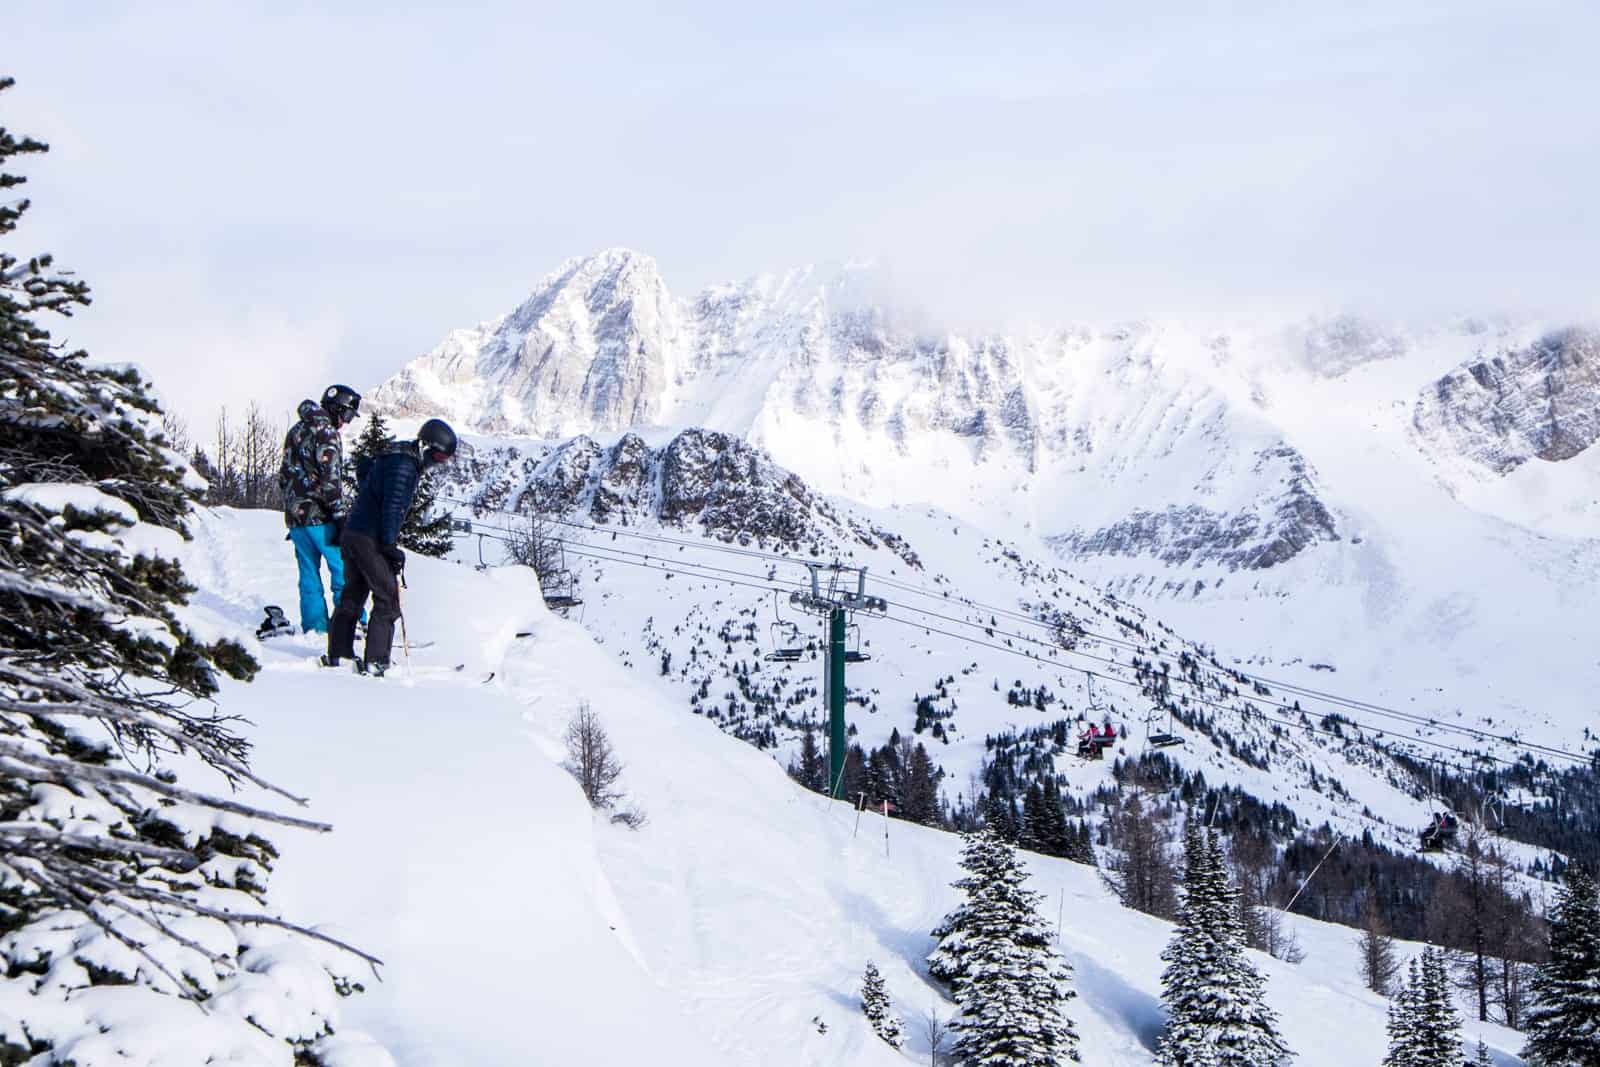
pixel 519 927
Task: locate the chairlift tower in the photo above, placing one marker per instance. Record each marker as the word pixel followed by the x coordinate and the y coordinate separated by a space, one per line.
pixel 835 601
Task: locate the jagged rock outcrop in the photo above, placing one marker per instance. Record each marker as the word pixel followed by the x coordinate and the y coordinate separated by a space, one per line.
pixel 732 488
pixel 1272 530
pixel 623 488
pixel 1541 401
pixel 721 483
pixel 563 479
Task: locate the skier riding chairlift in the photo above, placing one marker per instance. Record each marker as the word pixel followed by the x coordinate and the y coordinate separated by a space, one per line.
pixel 1440 832
pixel 1092 743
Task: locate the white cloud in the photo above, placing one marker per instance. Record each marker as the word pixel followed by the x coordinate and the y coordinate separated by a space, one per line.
pixel 346 187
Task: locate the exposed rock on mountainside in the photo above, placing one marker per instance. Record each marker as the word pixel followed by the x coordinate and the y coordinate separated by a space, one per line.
pixel 1274 529
pixel 1541 401
pixel 592 343
pixel 726 486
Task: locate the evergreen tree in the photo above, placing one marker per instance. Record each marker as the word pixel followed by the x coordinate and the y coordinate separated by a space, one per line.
pixel 1216 1007
pixel 920 800
pixel 879 1011
pixel 1481 1058
pixel 1080 845
pixel 426 530
pixel 1402 1025
pixel 810 769
pixel 93 511
pixel 1424 1027
pixel 1033 832
pixel 1438 1025
pixel 1058 832
pixel 1564 1022
pixel 998 956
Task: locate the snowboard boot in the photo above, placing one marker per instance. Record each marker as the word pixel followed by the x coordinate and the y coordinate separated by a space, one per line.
pixel 335 662
pixel 275 624
pixel 375 669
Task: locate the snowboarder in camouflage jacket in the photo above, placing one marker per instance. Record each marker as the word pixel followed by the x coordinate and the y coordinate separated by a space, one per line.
pixel 312 482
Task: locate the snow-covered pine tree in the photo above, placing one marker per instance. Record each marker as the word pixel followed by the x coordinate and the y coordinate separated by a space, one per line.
pixel 111 872
pixel 1438 1024
pixel 1215 999
pixel 1481 1057
pixel 948 961
pixel 1402 1025
pixel 999 957
pixel 426 530
pixel 1564 1022
pixel 875 1005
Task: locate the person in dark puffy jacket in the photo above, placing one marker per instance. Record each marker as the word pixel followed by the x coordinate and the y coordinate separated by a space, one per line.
pixel 311 481
pixel 369 541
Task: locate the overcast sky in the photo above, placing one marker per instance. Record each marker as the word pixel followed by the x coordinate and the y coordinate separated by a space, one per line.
pixel 267 197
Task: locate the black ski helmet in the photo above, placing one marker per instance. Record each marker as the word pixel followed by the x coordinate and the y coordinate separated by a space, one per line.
pixel 437 441
pixel 341 402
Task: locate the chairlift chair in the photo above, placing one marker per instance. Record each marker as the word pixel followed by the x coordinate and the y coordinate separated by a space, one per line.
pixel 783 652
pixel 853 654
pixel 1160 738
pixel 559 586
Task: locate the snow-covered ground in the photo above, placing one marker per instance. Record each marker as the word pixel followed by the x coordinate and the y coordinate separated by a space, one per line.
pixel 519 927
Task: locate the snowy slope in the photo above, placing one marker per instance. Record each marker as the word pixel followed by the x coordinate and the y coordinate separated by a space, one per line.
pixel 518 927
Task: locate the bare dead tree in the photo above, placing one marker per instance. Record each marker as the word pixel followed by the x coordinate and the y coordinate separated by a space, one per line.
pixel 261 447
pixel 534 543
pixel 937 1031
pixel 1378 963
pixel 1139 869
pixel 176 432
pixel 591 759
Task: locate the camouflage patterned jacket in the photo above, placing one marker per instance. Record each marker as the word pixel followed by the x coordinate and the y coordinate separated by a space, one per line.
pixel 312 474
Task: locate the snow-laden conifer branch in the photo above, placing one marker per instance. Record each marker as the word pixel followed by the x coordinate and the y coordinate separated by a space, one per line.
pixel 15 758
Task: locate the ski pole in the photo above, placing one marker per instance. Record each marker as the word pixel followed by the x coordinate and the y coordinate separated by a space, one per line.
pixel 405 642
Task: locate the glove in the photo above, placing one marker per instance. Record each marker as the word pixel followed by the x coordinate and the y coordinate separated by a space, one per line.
pixel 396 557
pixel 337 533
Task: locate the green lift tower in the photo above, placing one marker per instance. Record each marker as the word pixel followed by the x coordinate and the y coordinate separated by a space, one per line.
pixel 835 600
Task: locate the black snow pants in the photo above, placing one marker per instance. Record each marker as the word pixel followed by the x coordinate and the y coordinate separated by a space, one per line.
pixel 366 573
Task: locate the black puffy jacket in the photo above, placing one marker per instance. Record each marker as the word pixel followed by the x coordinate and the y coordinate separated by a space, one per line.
pixel 388 482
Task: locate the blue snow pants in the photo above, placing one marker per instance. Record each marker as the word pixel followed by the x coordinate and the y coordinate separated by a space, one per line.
pixel 311 547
